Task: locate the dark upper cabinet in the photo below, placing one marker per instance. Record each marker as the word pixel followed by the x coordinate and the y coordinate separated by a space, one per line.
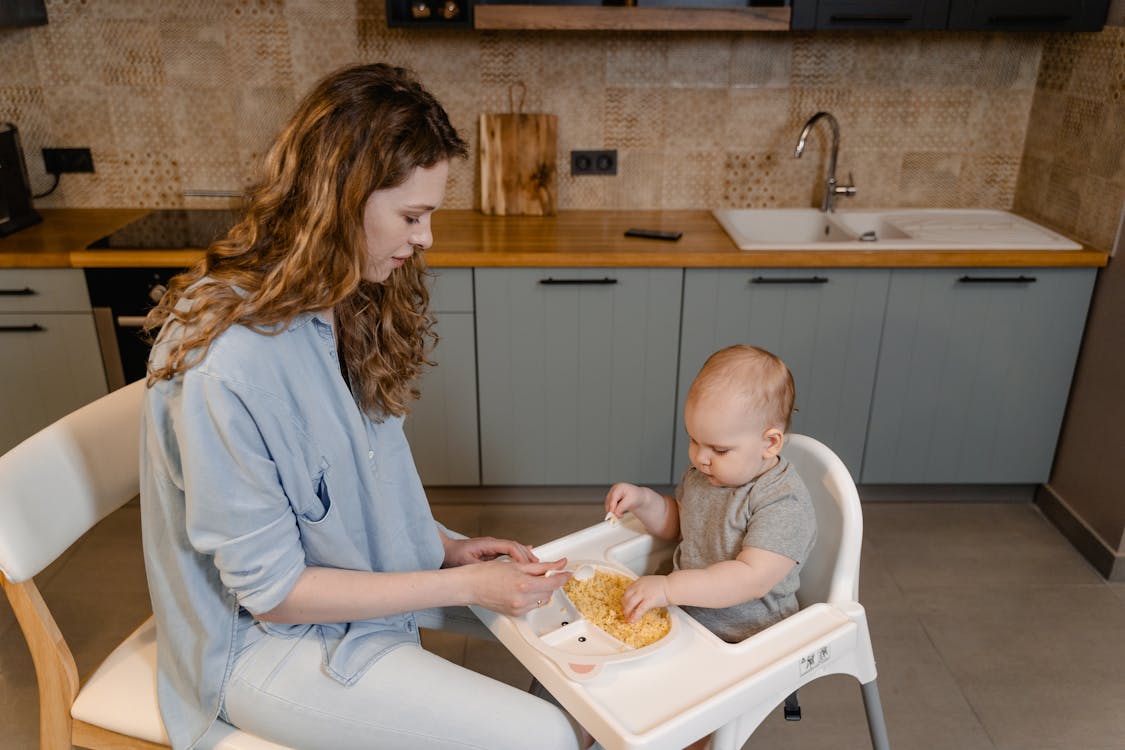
pixel 870 14
pixel 1028 15
pixel 959 15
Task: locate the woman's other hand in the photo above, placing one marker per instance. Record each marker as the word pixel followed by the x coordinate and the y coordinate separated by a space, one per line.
pixel 514 588
pixel 482 549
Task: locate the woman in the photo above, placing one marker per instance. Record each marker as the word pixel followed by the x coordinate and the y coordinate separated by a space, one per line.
pixel 290 550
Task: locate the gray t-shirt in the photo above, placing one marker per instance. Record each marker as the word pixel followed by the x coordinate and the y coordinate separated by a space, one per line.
pixel 773 512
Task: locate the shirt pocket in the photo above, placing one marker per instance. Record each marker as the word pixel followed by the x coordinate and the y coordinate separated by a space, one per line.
pixel 314 506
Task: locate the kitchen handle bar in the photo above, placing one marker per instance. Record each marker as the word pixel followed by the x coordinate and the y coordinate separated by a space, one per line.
pixel 33 328
pixel 867 18
pixel 795 280
pixel 1021 279
pixel 25 292
pixel 131 321
pixel 560 282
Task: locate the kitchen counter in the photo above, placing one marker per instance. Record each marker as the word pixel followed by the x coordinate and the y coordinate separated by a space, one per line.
pixel 466 238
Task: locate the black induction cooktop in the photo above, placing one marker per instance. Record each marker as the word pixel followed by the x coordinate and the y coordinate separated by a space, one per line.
pixel 174 228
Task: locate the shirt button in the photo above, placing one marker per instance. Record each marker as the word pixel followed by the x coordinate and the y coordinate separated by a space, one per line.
pixel 371 454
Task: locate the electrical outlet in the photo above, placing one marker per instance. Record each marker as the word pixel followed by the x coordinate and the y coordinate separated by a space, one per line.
pixel 66 160
pixel 593 162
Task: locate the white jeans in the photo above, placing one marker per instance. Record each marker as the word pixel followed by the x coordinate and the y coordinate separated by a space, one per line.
pixel 408 699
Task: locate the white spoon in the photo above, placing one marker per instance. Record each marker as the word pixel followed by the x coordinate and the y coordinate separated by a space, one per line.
pixel 584 572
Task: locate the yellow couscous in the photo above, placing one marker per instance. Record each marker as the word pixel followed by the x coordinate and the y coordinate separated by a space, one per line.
pixel 599 601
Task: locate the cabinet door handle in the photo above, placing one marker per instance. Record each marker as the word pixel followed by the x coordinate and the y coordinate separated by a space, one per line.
pixel 867 18
pixel 25 292
pixel 783 280
pixel 559 282
pixel 33 328
pixel 1021 279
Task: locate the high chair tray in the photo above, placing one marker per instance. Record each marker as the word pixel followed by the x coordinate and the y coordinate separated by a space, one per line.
pixel 688 686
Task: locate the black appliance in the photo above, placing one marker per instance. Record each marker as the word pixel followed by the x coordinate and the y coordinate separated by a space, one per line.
pixel 122 297
pixel 16 211
pixel 23 12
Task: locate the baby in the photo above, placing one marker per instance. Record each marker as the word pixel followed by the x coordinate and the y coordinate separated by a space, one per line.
pixel 742 514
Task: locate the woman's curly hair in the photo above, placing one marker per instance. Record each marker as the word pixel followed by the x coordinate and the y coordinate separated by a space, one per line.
pixel 300 245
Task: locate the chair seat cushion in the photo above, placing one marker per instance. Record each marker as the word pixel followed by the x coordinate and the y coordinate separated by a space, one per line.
pixel 121 695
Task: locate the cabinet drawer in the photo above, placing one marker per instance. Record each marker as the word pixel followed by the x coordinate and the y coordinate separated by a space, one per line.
pixel 42 290
pixel 974 371
pixel 1028 15
pixel 51 366
pixel 823 322
pixel 577 374
pixel 870 14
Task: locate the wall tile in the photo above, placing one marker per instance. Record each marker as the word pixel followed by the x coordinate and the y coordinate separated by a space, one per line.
pixel 637 59
pixel 205 84
pixel 1073 172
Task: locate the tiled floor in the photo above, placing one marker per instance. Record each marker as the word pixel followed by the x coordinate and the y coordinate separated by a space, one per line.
pixel 990 631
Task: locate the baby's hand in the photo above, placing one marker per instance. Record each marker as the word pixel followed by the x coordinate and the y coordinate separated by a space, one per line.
pixel 644 594
pixel 624 496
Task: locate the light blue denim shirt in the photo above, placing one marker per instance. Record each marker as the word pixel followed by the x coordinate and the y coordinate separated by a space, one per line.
pixel 256 463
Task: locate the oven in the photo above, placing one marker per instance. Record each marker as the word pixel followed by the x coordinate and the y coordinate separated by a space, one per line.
pixel 122 297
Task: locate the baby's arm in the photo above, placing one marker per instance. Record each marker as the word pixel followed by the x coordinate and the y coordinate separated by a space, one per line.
pixel 659 513
pixel 750 576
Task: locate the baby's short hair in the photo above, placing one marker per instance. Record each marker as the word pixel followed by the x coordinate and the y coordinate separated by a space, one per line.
pixel 754 374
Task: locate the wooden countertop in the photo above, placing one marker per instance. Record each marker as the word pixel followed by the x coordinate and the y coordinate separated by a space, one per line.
pixel 465 238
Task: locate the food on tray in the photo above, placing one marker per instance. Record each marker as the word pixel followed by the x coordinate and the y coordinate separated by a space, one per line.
pixel 599 601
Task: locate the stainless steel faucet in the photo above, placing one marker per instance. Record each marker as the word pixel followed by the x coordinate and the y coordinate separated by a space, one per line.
pixel 831 188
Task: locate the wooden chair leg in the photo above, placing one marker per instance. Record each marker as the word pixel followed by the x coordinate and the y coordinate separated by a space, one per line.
pixel 55 670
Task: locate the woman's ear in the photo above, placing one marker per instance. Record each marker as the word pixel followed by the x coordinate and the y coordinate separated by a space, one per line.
pixel 774 439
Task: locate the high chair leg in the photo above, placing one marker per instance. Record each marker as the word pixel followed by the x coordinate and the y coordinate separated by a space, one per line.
pixel 792 707
pixel 875 723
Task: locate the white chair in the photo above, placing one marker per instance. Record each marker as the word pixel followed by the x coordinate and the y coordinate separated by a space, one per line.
pixel 829 587
pixel 54 487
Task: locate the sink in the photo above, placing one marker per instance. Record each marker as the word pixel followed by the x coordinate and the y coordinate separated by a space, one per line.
pixel 889 229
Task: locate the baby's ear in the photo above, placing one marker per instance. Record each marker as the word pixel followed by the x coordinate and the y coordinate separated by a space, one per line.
pixel 774 438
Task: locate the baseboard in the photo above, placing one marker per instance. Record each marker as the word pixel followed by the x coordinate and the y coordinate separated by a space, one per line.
pixel 1091 546
pixel 947 493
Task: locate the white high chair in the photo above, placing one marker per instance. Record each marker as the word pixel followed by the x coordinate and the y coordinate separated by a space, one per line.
pixel 829 578
pixel 54 487
pixel 697 684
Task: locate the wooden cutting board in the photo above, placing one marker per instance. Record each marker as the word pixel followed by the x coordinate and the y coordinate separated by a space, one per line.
pixel 518 164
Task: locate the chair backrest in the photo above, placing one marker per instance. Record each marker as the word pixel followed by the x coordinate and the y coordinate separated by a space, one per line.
pixel 831 574
pixel 62 480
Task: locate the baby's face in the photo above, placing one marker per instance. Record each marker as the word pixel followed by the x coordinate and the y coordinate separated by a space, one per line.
pixel 728 444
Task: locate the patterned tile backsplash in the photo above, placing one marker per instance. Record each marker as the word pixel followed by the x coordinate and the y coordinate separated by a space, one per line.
pixel 1073 172
pixel 188 95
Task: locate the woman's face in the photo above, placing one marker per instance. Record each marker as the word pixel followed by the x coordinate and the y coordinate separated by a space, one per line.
pixel 396 221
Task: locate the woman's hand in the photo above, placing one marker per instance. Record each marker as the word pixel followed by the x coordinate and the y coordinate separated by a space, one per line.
pixel 644 594
pixel 514 588
pixel 482 549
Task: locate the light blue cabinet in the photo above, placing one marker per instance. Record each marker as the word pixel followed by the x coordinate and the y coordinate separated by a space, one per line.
pixel 974 373
pixel 824 323
pixel 577 374
pixel 442 426
pixel 50 362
